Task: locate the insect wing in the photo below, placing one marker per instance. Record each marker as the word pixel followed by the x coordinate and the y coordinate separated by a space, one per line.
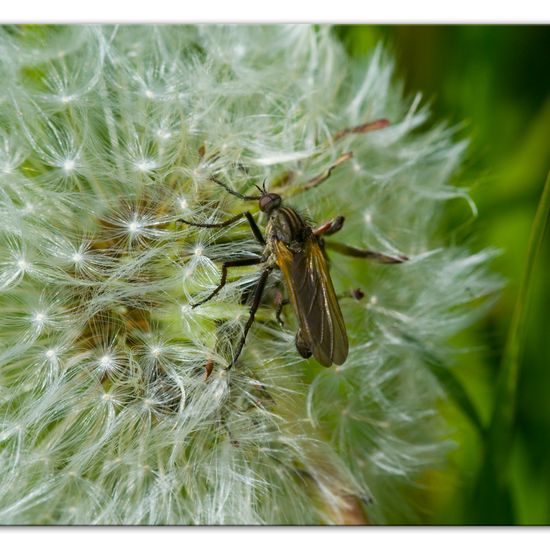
pixel 307 278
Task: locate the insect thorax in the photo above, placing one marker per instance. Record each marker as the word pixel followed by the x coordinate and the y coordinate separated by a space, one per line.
pixel 286 225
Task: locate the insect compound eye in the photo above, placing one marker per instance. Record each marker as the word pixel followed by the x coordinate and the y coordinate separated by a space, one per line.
pixel 269 202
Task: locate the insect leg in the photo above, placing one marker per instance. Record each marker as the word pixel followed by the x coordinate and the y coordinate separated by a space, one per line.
pixel 253 226
pixel 225 266
pixel 253 308
pixel 357 294
pixel 362 128
pixel 364 253
pixel 330 227
pixel 235 193
pixel 323 176
pixel 280 302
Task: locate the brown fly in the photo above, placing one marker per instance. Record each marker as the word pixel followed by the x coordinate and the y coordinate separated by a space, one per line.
pixel 298 251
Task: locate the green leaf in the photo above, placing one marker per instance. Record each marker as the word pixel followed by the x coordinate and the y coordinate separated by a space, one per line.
pixel 493 483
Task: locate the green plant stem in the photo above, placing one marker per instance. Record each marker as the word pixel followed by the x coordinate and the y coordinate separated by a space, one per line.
pixel 493 482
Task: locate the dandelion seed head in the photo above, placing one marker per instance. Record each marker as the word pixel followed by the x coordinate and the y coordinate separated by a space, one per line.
pixel 107 362
pixel 23 264
pixel 147 403
pixel 156 351
pixel 39 317
pixel 145 418
pixel 39 321
pixel 134 226
pixel 163 134
pixel 77 258
pixel 69 165
pixel 145 165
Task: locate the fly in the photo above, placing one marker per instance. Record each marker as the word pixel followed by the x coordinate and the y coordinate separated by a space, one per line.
pixel 297 249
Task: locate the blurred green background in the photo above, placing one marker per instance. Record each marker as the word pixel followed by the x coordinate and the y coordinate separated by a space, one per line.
pixel 493 82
